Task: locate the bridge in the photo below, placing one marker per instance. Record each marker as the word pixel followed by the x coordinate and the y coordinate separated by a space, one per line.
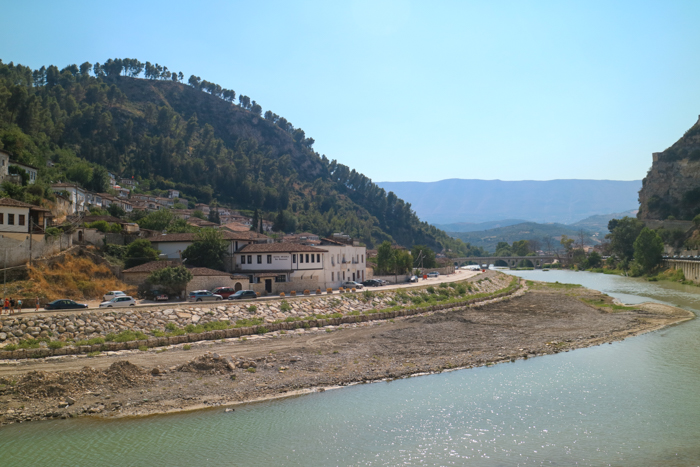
pixel 690 267
pixel 511 261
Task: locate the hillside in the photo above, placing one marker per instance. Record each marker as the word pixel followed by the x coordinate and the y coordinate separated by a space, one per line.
pixel 672 185
pixel 488 239
pixel 475 227
pixel 562 201
pixel 193 138
pixel 599 224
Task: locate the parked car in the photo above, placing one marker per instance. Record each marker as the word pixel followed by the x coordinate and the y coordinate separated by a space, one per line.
pixel 413 279
pixel 202 296
pixel 243 295
pixel 371 283
pixel 433 274
pixel 63 304
pixel 225 292
pixel 123 300
pixel 157 296
pixel 110 295
pixel 382 282
pixel 351 285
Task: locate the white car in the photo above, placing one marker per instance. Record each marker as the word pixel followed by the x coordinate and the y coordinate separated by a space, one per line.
pixel 119 301
pixel 110 295
pixel 351 285
pixel 433 274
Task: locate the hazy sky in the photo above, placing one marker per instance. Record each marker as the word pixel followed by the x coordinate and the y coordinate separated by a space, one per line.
pixel 421 91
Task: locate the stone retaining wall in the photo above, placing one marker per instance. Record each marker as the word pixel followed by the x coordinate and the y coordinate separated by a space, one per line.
pixel 98 323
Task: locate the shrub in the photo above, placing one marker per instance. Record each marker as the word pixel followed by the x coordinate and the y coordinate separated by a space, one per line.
pixel 171 326
pixel 293 293
pixel 329 290
pixel 262 330
pixel 186 347
pixel 430 289
pixel 284 306
pixel 306 292
pixel 56 344
pixel 252 308
pixel 318 291
pixel 442 285
pixel 143 348
pixel 96 340
pixel 10 347
pixel 282 294
pixel 128 336
pixel 250 370
pixel 341 290
pixel 353 290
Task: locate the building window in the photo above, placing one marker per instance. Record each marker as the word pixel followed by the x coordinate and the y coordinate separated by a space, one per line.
pixel 242 259
pixel 313 260
pixel 10 219
pixel 259 259
pixel 2 218
pixel 294 258
pixel 363 258
pixel 250 259
pixel 343 275
pixel 318 257
pixel 281 278
pixel 269 259
pixel 332 276
pixel 301 257
pixel 21 219
pixel 307 257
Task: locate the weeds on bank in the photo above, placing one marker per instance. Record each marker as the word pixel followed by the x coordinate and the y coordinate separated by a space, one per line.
pixel 600 303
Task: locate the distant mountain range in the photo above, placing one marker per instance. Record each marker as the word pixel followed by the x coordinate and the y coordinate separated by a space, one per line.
pixel 477 201
pixel 487 234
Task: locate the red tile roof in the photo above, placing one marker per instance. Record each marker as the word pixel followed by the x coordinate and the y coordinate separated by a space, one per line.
pixel 152 266
pixel 279 248
pixel 190 237
pixel 14 203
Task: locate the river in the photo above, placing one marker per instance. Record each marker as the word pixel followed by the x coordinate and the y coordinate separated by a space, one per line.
pixel 630 403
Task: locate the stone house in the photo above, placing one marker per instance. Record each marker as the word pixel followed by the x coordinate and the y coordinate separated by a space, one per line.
pixel 76 195
pixel 172 245
pixel 204 278
pixel 32 171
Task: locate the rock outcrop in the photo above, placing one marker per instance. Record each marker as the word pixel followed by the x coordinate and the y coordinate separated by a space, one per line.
pixel 672 185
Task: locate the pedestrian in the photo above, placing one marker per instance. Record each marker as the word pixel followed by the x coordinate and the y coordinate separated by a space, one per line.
pixel 19 305
pixel 6 306
pixel 12 306
pixel 36 300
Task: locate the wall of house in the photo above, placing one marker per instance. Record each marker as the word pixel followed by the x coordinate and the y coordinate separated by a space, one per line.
pixel 211 282
pixel 171 249
pixel 15 227
pixel 355 263
pixel 282 262
pixel 18 250
pixel 91 236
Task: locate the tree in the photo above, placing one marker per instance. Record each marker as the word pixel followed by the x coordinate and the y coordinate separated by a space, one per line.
pixel 99 182
pixel 521 248
pixel 567 243
pixel 648 249
pixel 254 224
pixel 158 220
pixel 214 213
pixel 625 232
pixel 594 260
pixel 208 250
pixel 116 210
pixel 199 214
pixel 172 279
pixel 139 252
pixel 385 257
pixel 426 254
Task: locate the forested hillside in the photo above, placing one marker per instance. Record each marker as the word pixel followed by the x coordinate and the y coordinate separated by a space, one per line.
pixel 141 120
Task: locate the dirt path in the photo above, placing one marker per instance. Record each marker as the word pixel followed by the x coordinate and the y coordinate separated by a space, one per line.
pixel 543 321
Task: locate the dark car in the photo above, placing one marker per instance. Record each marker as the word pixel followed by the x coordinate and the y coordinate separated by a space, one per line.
pixel 63 304
pixel 243 295
pixel 371 283
pixel 157 295
pixel 225 292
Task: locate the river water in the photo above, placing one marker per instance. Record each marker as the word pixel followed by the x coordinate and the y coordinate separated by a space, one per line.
pixel 632 403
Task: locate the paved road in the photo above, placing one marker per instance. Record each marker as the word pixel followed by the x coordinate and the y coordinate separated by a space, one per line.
pixel 94 304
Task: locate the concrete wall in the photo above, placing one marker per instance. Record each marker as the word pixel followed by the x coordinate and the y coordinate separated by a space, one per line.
pixel 211 282
pixel 91 236
pixel 392 279
pixel 18 251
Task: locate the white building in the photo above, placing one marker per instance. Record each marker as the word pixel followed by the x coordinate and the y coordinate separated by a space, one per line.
pixel 17 217
pixel 33 172
pixel 345 261
pixel 75 194
pixel 172 245
pixel 273 268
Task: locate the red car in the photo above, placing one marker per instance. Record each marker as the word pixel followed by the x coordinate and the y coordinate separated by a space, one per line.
pixel 224 291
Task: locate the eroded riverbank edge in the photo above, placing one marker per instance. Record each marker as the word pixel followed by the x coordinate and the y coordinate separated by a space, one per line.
pixel 544 320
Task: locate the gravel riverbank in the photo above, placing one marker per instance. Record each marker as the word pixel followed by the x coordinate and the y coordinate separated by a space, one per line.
pixel 540 320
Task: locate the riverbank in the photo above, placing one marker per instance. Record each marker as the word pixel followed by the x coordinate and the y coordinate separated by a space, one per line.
pixel 544 320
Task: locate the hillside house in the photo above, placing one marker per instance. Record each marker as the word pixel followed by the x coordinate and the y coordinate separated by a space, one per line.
pixel 76 195
pixel 172 245
pixel 32 171
pixel 173 194
pixel 204 278
pixel 17 217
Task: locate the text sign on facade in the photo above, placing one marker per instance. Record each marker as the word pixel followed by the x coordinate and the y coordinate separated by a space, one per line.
pixel 280 257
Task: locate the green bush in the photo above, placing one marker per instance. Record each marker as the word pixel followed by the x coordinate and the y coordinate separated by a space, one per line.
pixel 285 307
pixel 126 336
pixel 430 289
pixel 56 344
pixel 10 347
pixel 96 340
pixel 186 347
pixel 252 308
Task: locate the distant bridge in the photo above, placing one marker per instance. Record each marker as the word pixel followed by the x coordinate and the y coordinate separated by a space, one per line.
pixel 690 267
pixel 511 261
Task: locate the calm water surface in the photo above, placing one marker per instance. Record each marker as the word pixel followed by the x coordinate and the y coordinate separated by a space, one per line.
pixel 632 403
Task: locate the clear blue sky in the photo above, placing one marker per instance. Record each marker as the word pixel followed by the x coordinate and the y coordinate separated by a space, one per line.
pixel 423 91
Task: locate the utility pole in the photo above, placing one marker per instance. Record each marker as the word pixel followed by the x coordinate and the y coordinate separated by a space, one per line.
pixel 4 282
pixel 30 241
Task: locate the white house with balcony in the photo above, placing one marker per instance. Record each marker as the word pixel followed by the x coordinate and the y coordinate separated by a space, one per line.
pixel 273 268
pixel 345 261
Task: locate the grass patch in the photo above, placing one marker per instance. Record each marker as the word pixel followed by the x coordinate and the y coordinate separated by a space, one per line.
pixel 187 347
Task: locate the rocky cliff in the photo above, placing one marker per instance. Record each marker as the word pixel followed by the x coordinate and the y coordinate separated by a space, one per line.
pixel 672 185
